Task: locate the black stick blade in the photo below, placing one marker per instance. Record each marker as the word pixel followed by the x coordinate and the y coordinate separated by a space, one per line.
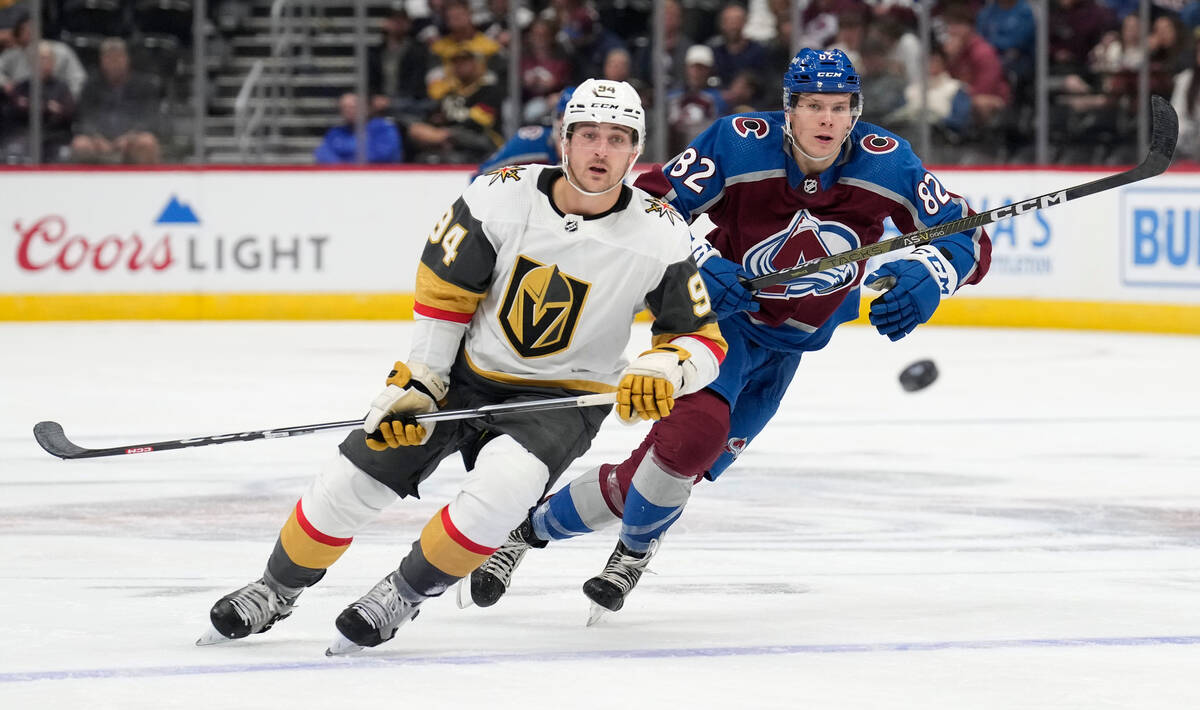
pixel 1164 132
pixel 51 437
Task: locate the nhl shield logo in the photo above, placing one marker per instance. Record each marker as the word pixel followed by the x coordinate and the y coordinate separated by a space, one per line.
pixel 541 308
pixel 810 186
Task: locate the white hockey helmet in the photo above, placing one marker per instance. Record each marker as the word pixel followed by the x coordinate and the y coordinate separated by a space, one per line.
pixel 607 101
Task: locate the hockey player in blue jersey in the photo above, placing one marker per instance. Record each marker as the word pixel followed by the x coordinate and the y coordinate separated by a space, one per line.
pixel 531 144
pixel 782 187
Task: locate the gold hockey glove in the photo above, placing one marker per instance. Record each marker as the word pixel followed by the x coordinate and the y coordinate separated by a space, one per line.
pixel 648 385
pixel 411 389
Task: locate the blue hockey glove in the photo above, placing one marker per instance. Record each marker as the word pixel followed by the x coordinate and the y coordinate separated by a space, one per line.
pixel 722 278
pixel 915 286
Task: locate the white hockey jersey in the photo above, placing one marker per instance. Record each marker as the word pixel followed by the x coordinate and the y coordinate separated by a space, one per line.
pixel 547 298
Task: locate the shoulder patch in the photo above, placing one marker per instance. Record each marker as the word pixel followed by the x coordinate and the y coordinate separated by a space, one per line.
pixel 530 133
pixel 747 126
pixel 505 173
pixel 877 144
pixel 662 208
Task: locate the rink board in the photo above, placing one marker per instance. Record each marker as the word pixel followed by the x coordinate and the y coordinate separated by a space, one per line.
pixel 300 244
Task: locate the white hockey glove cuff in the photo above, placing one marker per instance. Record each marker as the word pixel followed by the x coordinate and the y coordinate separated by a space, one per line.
pixel 939 267
pixel 700 369
pixel 411 389
pixel 702 251
pixel 436 343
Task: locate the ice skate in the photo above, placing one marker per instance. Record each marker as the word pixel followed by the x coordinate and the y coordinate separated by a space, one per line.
pixel 376 616
pixel 608 589
pixel 491 580
pixel 250 610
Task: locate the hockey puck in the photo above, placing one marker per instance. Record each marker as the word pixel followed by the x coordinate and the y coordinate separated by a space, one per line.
pixel 918 375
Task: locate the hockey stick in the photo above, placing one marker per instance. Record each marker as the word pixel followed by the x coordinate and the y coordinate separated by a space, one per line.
pixel 51 437
pixel 1164 131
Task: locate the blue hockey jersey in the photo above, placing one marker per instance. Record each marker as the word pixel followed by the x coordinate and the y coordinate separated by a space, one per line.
pixel 531 144
pixel 769 216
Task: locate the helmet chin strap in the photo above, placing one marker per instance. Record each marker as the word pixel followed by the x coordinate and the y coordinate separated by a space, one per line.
pixel 589 193
pixel 814 158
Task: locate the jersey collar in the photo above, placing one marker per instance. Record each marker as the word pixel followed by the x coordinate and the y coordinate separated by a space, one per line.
pixel 546 184
pixel 828 177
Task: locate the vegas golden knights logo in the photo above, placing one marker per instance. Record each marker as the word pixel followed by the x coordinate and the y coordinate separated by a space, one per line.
pixel 541 308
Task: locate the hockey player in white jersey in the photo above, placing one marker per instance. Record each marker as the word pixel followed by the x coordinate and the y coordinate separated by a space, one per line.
pixel 526 289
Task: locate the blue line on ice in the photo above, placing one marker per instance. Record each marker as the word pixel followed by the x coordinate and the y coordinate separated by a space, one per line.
pixel 376 661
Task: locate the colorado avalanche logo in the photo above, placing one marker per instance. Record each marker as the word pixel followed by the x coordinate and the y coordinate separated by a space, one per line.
pixel 877 144
pixel 805 238
pixel 735 446
pixel 747 126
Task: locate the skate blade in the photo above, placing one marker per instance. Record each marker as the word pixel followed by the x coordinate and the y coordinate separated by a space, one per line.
pixel 596 614
pixel 463 593
pixel 212 637
pixel 342 646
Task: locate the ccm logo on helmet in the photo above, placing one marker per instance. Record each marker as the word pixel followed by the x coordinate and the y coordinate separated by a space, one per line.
pixel 877 144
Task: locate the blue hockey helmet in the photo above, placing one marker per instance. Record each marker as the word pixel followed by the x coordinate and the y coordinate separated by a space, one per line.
pixel 564 98
pixel 826 71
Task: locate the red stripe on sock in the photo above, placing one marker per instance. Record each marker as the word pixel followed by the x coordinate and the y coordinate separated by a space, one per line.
pixel 457 536
pixel 317 535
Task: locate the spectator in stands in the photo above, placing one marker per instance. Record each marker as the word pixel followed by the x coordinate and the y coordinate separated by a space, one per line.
pixel 396 67
pixel 884 81
pixel 947 105
pixel 974 62
pixel 1119 58
pixel 618 65
pixel 586 40
pixel 675 47
pixel 14 61
pixel 118 113
pixel 493 22
pixel 897 28
pixel 1169 49
pixel 732 51
pixel 10 12
pixel 462 127
pixel 744 94
pixel 460 35
pixel 545 69
pixel 58 110
pixel 819 21
pixel 1120 51
pixel 1186 100
pixel 852 30
pixel 1078 26
pixel 779 48
pixel 698 104
pixel 341 142
pixel 1009 26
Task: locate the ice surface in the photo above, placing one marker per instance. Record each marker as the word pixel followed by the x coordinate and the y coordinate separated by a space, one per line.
pixel 1025 533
